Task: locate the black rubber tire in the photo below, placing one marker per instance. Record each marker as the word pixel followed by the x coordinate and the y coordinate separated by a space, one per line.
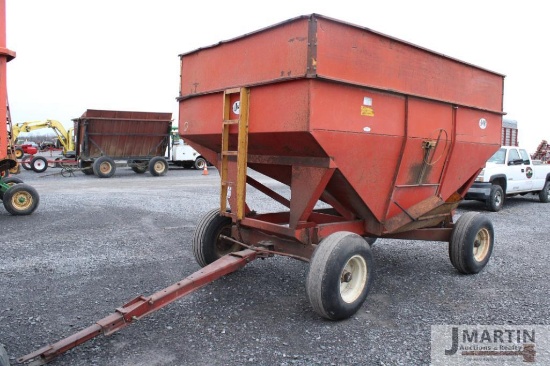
pixel 332 294
pixel 207 246
pixel 21 199
pixel 104 167
pixel 26 162
pixel 10 181
pixel 495 201
pixel 158 166
pixel 86 167
pixel 544 195
pixel 200 163
pixel 4 359
pixel 39 164
pixel 19 153
pixel 138 166
pixel 471 243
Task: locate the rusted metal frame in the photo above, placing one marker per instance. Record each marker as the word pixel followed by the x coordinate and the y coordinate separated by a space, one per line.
pixel 312 47
pixel 429 234
pixel 142 306
pixel 125 119
pixel 269 245
pixel 323 230
pixel 338 206
pixel 126 134
pixel 267 191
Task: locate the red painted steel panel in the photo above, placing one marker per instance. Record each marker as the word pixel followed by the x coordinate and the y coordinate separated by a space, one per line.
pixel 400 123
pixel 122 134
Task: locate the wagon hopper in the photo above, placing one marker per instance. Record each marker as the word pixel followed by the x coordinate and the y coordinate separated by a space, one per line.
pixel 386 135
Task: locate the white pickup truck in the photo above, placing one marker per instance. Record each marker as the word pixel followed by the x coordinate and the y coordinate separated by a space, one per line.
pixel 509 172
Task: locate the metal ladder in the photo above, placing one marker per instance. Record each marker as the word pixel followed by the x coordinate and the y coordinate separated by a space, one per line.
pixel 239 186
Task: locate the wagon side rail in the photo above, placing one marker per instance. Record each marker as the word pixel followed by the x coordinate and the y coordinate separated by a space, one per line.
pixel 141 306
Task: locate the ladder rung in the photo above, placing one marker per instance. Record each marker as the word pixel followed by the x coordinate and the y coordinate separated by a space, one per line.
pixel 230 121
pixel 229 153
pixel 233 91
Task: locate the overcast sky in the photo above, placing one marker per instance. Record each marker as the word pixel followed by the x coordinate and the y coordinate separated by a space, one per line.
pixel 74 55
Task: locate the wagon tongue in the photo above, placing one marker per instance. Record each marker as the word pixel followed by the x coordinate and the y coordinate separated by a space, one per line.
pixel 141 306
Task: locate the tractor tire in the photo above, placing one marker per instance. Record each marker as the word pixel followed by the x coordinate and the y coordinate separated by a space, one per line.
pixel 19 152
pixel 471 243
pixel 10 181
pixel 39 164
pixel 495 201
pixel 21 199
pixel 158 166
pixel 544 194
pixel 340 275
pixel 104 167
pixel 207 245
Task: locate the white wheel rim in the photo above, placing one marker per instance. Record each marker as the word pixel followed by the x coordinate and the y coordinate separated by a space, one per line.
pixel 353 279
pixel 481 244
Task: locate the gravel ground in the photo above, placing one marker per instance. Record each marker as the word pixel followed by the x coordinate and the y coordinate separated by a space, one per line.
pixel 93 244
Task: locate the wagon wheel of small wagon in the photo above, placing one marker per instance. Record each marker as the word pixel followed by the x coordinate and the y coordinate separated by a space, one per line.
pixel 10 181
pixel 340 275
pixel 39 164
pixel 544 194
pixel 25 162
pixel 158 166
pixel 4 359
pixel 104 167
pixel 207 245
pixel 21 199
pixel 471 243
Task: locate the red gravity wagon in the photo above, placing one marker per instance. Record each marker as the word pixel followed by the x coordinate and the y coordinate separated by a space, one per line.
pixel 373 136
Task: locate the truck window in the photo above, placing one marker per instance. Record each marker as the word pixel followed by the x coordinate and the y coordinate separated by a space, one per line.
pixel 498 157
pixel 513 157
pixel 524 156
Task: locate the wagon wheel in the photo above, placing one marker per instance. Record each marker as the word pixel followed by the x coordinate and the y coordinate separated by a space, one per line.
pixel 471 243
pixel 340 275
pixel 158 166
pixel 39 164
pixel 10 181
pixel 25 162
pixel 21 199
pixel 104 167
pixel 207 244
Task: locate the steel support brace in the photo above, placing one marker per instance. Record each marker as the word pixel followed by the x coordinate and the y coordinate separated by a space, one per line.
pixel 141 306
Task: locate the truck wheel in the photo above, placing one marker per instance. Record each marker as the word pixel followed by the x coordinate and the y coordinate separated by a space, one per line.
pixel 25 162
pixel 10 181
pixel 495 201
pixel 471 243
pixel 104 167
pixel 158 166
pixel 19 152
pixel 200 163
pixel 544 195
pixel 39 164
pixel 21 199
pixel 4 359
pixel 207 245
pixel 340 275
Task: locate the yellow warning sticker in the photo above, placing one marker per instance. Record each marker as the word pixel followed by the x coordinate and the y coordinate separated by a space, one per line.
pixel 367 111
